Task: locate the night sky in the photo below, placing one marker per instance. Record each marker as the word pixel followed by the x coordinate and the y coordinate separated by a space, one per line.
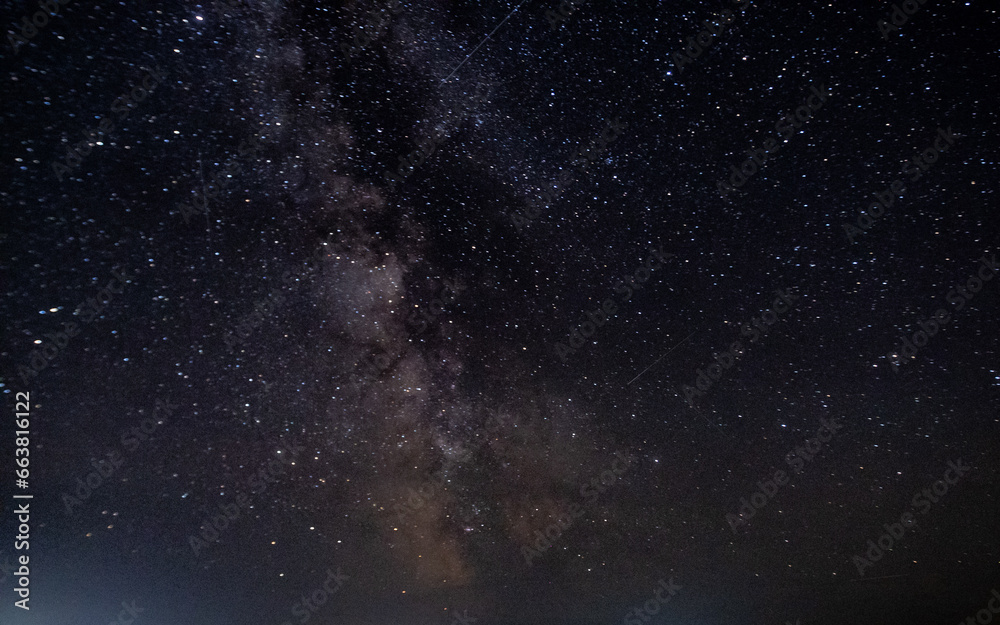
pixel 445 312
